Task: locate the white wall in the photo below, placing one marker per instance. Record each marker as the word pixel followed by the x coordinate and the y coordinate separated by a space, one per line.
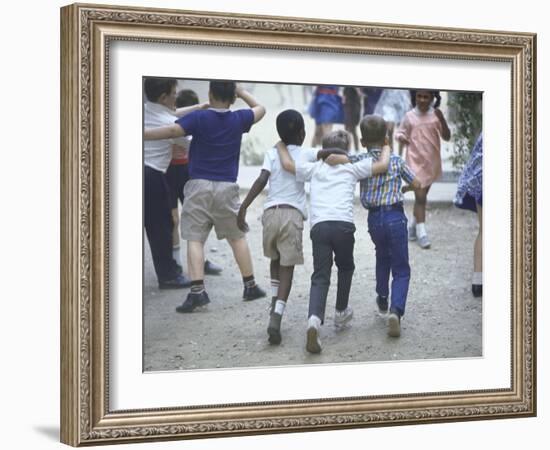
pixel 29 231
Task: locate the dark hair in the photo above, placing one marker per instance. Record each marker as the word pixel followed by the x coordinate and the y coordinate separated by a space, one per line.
pixel 290 126
pixel 373 128
pixel 186 97
pixel 435 94
pixel 337 139
pixel 224 91
pixel 155 87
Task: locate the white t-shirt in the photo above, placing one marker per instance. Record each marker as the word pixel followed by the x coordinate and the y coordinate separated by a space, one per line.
pixel 332 188
pixel 158 154
pixel 284 189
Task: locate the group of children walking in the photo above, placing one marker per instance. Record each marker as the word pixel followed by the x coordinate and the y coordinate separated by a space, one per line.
pixel 211 199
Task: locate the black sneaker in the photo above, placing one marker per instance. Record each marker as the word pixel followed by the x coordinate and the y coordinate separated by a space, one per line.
pixel 274 328
pixel 382 303
pixel 180 282
pixel 394 323
pixel 193 301
pixel 477 290
pixel 253 293
pixel 212 269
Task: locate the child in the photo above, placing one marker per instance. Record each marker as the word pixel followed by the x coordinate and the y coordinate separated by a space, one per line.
pixel 284 214
pixel 469 195
pixel 382 196
pixel 392 107
pixel 177 176
pixel 331 203
pixel 211 194
pixel 421 130
pixel 326 109
pixel 352 112
pixel 160 110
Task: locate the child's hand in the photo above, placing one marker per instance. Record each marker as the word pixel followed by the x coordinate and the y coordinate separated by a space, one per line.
pixel 239 91
pixel 204 106
pixel 334 159
pixel 406 189
pixel 241 220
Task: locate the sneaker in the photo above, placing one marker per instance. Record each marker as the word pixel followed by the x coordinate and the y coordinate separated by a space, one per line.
pixel 341 318
pixel 477 290
pixel 313 342
pixel 382 303
pixel 212 269
pixel 180 282
pixel 412 233
pixel 394 324
pixel 193 301
pixel 253 293
pixel 274 328
pixel 424 242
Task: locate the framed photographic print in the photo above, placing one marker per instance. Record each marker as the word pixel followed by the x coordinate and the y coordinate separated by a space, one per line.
pixel 203 342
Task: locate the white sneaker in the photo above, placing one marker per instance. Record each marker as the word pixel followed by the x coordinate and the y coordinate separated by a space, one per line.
pixel 341 318
pixel 394 325
pixel 313 342
pixel 424 242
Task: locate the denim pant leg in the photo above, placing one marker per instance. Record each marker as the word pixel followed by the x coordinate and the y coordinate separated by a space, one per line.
pixel 378 236
pixel 401 271
pixel 343 241
pixel 322 265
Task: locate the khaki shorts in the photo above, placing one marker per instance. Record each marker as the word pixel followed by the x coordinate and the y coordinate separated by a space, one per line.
pixel 282 235
pixel 210 204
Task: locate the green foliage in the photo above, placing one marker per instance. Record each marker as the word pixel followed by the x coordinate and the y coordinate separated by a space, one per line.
pixel 465 113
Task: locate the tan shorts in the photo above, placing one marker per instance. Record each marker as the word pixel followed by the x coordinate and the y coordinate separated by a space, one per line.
pixel 282 236
pixel 210 204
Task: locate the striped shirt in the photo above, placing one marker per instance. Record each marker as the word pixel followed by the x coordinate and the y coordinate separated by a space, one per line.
pixel 383 189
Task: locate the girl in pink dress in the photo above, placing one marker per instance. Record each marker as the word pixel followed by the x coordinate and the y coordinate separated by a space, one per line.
pixel 421 131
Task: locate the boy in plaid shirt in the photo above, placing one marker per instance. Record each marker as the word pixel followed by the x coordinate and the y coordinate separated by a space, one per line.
pixel 382 195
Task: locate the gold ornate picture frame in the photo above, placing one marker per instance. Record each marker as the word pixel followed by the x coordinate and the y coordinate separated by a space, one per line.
pixel 87 32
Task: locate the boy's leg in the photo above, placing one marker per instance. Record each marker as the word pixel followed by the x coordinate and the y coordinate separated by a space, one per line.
pixel 158 224
pixel 278 303
pixel 241 252
pixel 383 262
pixel 322 265
pixel 401 271
pixel 195 259
pixel 343 241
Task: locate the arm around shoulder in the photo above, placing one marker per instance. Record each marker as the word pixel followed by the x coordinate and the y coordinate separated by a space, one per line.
pixel 167 132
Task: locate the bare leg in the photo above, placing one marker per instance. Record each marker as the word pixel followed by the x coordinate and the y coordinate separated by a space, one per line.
pixel 274 269
pixel 390 127
pixel 352 129
pixel 420 200
pixel 241 252
pixel 326 128
pixel 286 274
pixel 175 227
pixel 195 259
pixel 478 246
pixel 316 141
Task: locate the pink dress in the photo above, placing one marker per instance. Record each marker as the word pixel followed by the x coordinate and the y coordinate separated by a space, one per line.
pixel 423 131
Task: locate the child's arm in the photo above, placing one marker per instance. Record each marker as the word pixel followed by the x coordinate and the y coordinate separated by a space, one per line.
pixel 286 160
pixel 257 109
pixel 335 158
pixel 180 112
pixel 254 191
pixel 414 185
pixel 167 132
pixel 381 166
pixel 403 133
pixel 445 132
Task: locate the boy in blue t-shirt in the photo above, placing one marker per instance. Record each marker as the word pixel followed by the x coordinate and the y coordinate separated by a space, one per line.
pixel 212 194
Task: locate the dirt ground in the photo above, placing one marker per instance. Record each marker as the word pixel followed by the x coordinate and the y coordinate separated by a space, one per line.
pixel 442 320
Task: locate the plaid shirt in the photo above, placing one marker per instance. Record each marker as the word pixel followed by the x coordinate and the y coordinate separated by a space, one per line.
pixel 383 189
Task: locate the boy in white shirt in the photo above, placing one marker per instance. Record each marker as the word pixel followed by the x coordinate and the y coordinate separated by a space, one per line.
pixel 284 214
pixel 332 229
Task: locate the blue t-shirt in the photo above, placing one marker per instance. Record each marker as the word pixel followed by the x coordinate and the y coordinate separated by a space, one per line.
pixel 216 144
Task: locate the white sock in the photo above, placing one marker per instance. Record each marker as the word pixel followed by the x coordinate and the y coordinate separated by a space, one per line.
pixel 421 229
pixel 176 254
pixel 274 288
pixel 477 278
pixel 314 321
pixel 280 307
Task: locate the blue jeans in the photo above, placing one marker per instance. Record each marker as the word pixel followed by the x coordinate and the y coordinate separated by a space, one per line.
pixel 388 231
pixel 331 239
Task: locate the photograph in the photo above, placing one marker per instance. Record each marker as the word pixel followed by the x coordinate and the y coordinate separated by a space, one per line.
pixel 254 191
pixel 275 225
